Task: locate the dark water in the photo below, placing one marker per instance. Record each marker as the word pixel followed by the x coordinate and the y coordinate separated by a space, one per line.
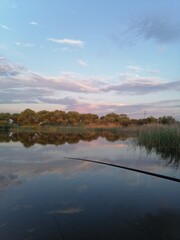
pixel 45 196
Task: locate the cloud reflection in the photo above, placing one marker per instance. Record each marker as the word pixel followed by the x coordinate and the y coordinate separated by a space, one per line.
pixel 68 210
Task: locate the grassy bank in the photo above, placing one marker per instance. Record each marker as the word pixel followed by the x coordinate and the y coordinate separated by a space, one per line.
pixel 48 129
pixel 154 134
pixel 75 129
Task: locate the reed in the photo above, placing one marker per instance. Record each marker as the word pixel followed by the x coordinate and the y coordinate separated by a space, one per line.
pixel 164 140
pixel 160 135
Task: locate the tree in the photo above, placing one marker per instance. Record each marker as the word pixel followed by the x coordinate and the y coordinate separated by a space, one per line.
pixel 26 117
pixel 117 119
pixel 4 117
pixel 89 118
pixel 112 118
pixel 73 117
pixel 166 120
pixel 151 120
pixel 124 119
pixel 15 117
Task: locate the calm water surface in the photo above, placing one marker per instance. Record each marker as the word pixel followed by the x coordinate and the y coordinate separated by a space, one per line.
pixel 45 196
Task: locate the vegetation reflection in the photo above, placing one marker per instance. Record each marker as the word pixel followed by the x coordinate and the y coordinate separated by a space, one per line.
pixel 161 139
pixel 29 139
pixel 162 225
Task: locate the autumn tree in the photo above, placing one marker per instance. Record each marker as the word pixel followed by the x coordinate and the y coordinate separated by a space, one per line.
pixel 4 118
pixel 15 117
pixel 124 120
pixel 117 119
pixel 73 118
pixel 27 117
pixel 112 118
pixel 89 118
pixel 59 117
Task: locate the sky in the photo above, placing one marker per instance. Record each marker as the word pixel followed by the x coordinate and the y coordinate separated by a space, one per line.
pixel 98 56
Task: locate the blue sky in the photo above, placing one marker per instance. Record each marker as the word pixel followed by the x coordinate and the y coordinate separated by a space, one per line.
pixel 98 56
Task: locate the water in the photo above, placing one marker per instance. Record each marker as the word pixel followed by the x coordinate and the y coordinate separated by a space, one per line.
pixel 45 196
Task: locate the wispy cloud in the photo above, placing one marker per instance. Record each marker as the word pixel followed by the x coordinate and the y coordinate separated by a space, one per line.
pixel 158 28
pixel 33 23
pixel 18 83
pixel 5 27
pixel 156 108
pixel 74 92
pixel 72 42
pixel 25 45
pixel 24 95
pixel 82 63
pixel 134 68
pixel 14 75
pixel 138 69
pixel 144 85
pixel 9 70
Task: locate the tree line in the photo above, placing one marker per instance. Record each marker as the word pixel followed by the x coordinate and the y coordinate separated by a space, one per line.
pixel 29 117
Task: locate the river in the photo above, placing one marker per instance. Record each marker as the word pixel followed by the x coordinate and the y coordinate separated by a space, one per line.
pixel 44 195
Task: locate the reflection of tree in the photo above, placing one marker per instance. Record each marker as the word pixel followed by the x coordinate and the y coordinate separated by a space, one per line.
pixel 160 226
pixel 113 136
pixel 4 137
pixel 29 139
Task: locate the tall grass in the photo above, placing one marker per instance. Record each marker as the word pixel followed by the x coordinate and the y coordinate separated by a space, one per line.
pixel 164 140
pixel 160 135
